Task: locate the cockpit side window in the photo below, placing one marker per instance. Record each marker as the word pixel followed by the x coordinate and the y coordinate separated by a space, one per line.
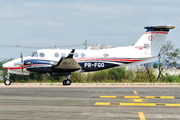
pixel 34 54
pixel 41 54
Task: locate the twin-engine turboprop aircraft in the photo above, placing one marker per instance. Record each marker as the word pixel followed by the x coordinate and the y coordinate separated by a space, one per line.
pixel 63 62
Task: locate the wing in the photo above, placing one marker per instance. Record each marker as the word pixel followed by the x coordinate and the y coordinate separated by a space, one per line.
pixel 68 63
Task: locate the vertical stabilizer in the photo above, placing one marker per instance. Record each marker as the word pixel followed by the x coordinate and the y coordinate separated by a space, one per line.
pixel 153 39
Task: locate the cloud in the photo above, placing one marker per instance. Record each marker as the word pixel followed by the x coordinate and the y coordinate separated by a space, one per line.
pixel 55 22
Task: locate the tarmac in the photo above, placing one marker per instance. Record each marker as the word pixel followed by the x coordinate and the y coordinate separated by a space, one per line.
pixel 100 102
pixel 95 84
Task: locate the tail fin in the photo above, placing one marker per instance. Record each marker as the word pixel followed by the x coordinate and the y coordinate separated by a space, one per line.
pixel 153 39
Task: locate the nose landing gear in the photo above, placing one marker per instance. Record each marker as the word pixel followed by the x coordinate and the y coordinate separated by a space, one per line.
pixel 7 81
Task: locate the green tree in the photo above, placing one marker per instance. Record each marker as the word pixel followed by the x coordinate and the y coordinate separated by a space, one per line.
pixel 168 55
pixel 1 68
pixel 155 65
pixel 117 74
pixel 149 71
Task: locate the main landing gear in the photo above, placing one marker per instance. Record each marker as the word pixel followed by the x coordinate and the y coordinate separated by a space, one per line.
pixel 7 81
pixel 67 81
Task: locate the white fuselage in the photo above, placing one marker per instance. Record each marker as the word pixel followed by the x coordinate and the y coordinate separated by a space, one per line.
pixel 144 50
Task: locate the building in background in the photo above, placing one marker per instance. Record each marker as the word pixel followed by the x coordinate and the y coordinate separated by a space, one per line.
pixel 134 67
pixel 98 47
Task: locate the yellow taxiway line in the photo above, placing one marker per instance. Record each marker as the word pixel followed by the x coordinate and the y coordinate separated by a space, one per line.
pixel 135 104
pixel 150 97
pixel 135 92
pixel 141 115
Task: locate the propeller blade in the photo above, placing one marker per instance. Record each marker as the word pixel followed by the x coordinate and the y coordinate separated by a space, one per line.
pixel 21 56
pixel 22 62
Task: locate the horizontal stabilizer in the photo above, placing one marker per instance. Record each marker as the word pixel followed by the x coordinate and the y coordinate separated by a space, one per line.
pixel 161 26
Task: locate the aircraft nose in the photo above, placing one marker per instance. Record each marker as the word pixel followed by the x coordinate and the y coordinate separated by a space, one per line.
pixel 11 64
pixel 5 65
pixel 8 65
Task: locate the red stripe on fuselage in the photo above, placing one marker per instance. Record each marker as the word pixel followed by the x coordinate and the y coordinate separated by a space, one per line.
pixel 82 59
pixel 156 32
pixel 129 60
pixel 16 68
pixel 13 68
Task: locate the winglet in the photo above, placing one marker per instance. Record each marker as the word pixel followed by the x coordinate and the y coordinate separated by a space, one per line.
pixel 71 54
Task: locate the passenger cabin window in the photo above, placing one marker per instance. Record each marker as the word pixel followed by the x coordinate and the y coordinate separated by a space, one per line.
pixel 41 54
pixel 83 55
pixel 56 54
pixel 63 55
pixel 34 54
pixel 76 55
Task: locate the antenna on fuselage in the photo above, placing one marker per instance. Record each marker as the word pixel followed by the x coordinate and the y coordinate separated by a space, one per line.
pixel 22 62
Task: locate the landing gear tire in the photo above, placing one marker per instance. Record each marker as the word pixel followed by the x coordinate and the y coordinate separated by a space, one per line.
pixel 67 82
pixel 7 82
pixel 64 82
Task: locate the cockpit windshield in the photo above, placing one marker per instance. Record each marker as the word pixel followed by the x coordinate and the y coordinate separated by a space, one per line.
pixel 34 54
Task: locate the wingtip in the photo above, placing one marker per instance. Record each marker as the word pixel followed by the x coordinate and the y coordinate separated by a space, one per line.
pixel 73 50
pixel 71 54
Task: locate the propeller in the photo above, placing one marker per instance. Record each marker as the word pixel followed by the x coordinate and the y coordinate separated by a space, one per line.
pixel 22 62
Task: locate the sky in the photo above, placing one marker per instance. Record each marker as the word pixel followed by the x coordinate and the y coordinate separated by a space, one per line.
pixel 32 24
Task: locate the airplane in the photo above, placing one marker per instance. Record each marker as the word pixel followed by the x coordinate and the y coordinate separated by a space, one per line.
pixel 63 62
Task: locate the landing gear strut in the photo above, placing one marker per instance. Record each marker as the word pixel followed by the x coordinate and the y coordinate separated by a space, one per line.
pixel 67 81
pixel 7 81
